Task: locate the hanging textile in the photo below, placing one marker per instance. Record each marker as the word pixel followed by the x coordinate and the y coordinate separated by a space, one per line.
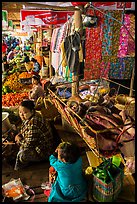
pixel 129 64
pixel 57 39
pixel 72 47
pixel 53 39
pixel 122 51
pixel 121 68
pixel 55 60
pixel 116 32
pixel 93 48
pixel 105 67
pixel 107 26
pixel 131 42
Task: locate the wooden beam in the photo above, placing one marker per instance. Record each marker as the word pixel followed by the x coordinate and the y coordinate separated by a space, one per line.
pixel 38 5
pixel 15 20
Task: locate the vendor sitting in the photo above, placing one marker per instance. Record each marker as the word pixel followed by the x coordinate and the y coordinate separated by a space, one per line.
pixel 36 66
pixel 28 63
pixel 36 139
pixel 37 90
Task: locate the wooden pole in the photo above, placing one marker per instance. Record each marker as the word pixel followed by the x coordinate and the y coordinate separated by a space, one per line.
pixel 50 53
pixel 78 27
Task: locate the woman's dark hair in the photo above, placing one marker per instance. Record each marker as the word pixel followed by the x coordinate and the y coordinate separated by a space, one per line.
pixel 69 151
pixel 29 104
pixel 33 59
pixel 25 54
pixel 37 77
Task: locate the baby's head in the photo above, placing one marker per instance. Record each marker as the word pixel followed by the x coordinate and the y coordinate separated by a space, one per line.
pixel 68 152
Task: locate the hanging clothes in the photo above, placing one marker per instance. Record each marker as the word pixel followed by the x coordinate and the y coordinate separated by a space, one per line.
pixel 53 39
pixel 72 47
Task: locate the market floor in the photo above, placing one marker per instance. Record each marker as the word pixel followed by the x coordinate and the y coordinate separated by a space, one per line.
pixel 36 174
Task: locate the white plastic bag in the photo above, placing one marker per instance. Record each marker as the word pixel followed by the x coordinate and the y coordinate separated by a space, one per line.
pixel 14 189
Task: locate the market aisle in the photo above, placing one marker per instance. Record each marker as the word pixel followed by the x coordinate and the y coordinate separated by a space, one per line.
pixel 36 174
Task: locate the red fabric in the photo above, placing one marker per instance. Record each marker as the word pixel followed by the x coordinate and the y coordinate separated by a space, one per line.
pixel 4 47
pixel 93 47
pixel 47 192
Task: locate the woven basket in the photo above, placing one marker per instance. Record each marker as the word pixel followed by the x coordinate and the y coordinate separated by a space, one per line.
pixel 107 192
pixel 47 108
pixel 127 103
pixel 72 120
pixel 26 81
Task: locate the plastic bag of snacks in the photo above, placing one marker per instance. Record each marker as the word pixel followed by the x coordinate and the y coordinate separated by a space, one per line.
pixel 14 189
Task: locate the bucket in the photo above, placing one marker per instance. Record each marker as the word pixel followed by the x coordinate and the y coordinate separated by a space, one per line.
pixel 6 125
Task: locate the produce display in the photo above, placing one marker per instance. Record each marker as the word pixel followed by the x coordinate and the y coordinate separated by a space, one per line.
pixel 13 99
pixel 13 83
pixel 6 89
pixel 25 75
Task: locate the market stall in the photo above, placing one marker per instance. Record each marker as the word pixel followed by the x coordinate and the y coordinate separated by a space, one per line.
pixel 87 52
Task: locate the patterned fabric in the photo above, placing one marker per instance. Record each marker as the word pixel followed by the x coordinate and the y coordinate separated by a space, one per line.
pixel 37 136
pixel 93 48
pixel 129 64
pixel 105 67
pixel 36 67
pixel 121 68
pixel 107 35
pixel 122 51
pixel 116 32
pixel 131 42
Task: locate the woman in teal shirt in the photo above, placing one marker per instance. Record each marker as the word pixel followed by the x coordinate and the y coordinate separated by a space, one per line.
pixel 70 184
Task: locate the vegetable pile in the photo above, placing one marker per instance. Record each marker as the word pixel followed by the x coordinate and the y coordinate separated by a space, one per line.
pixel 13 83
pixel 25 75
pixel 6 89
pixel 13 99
